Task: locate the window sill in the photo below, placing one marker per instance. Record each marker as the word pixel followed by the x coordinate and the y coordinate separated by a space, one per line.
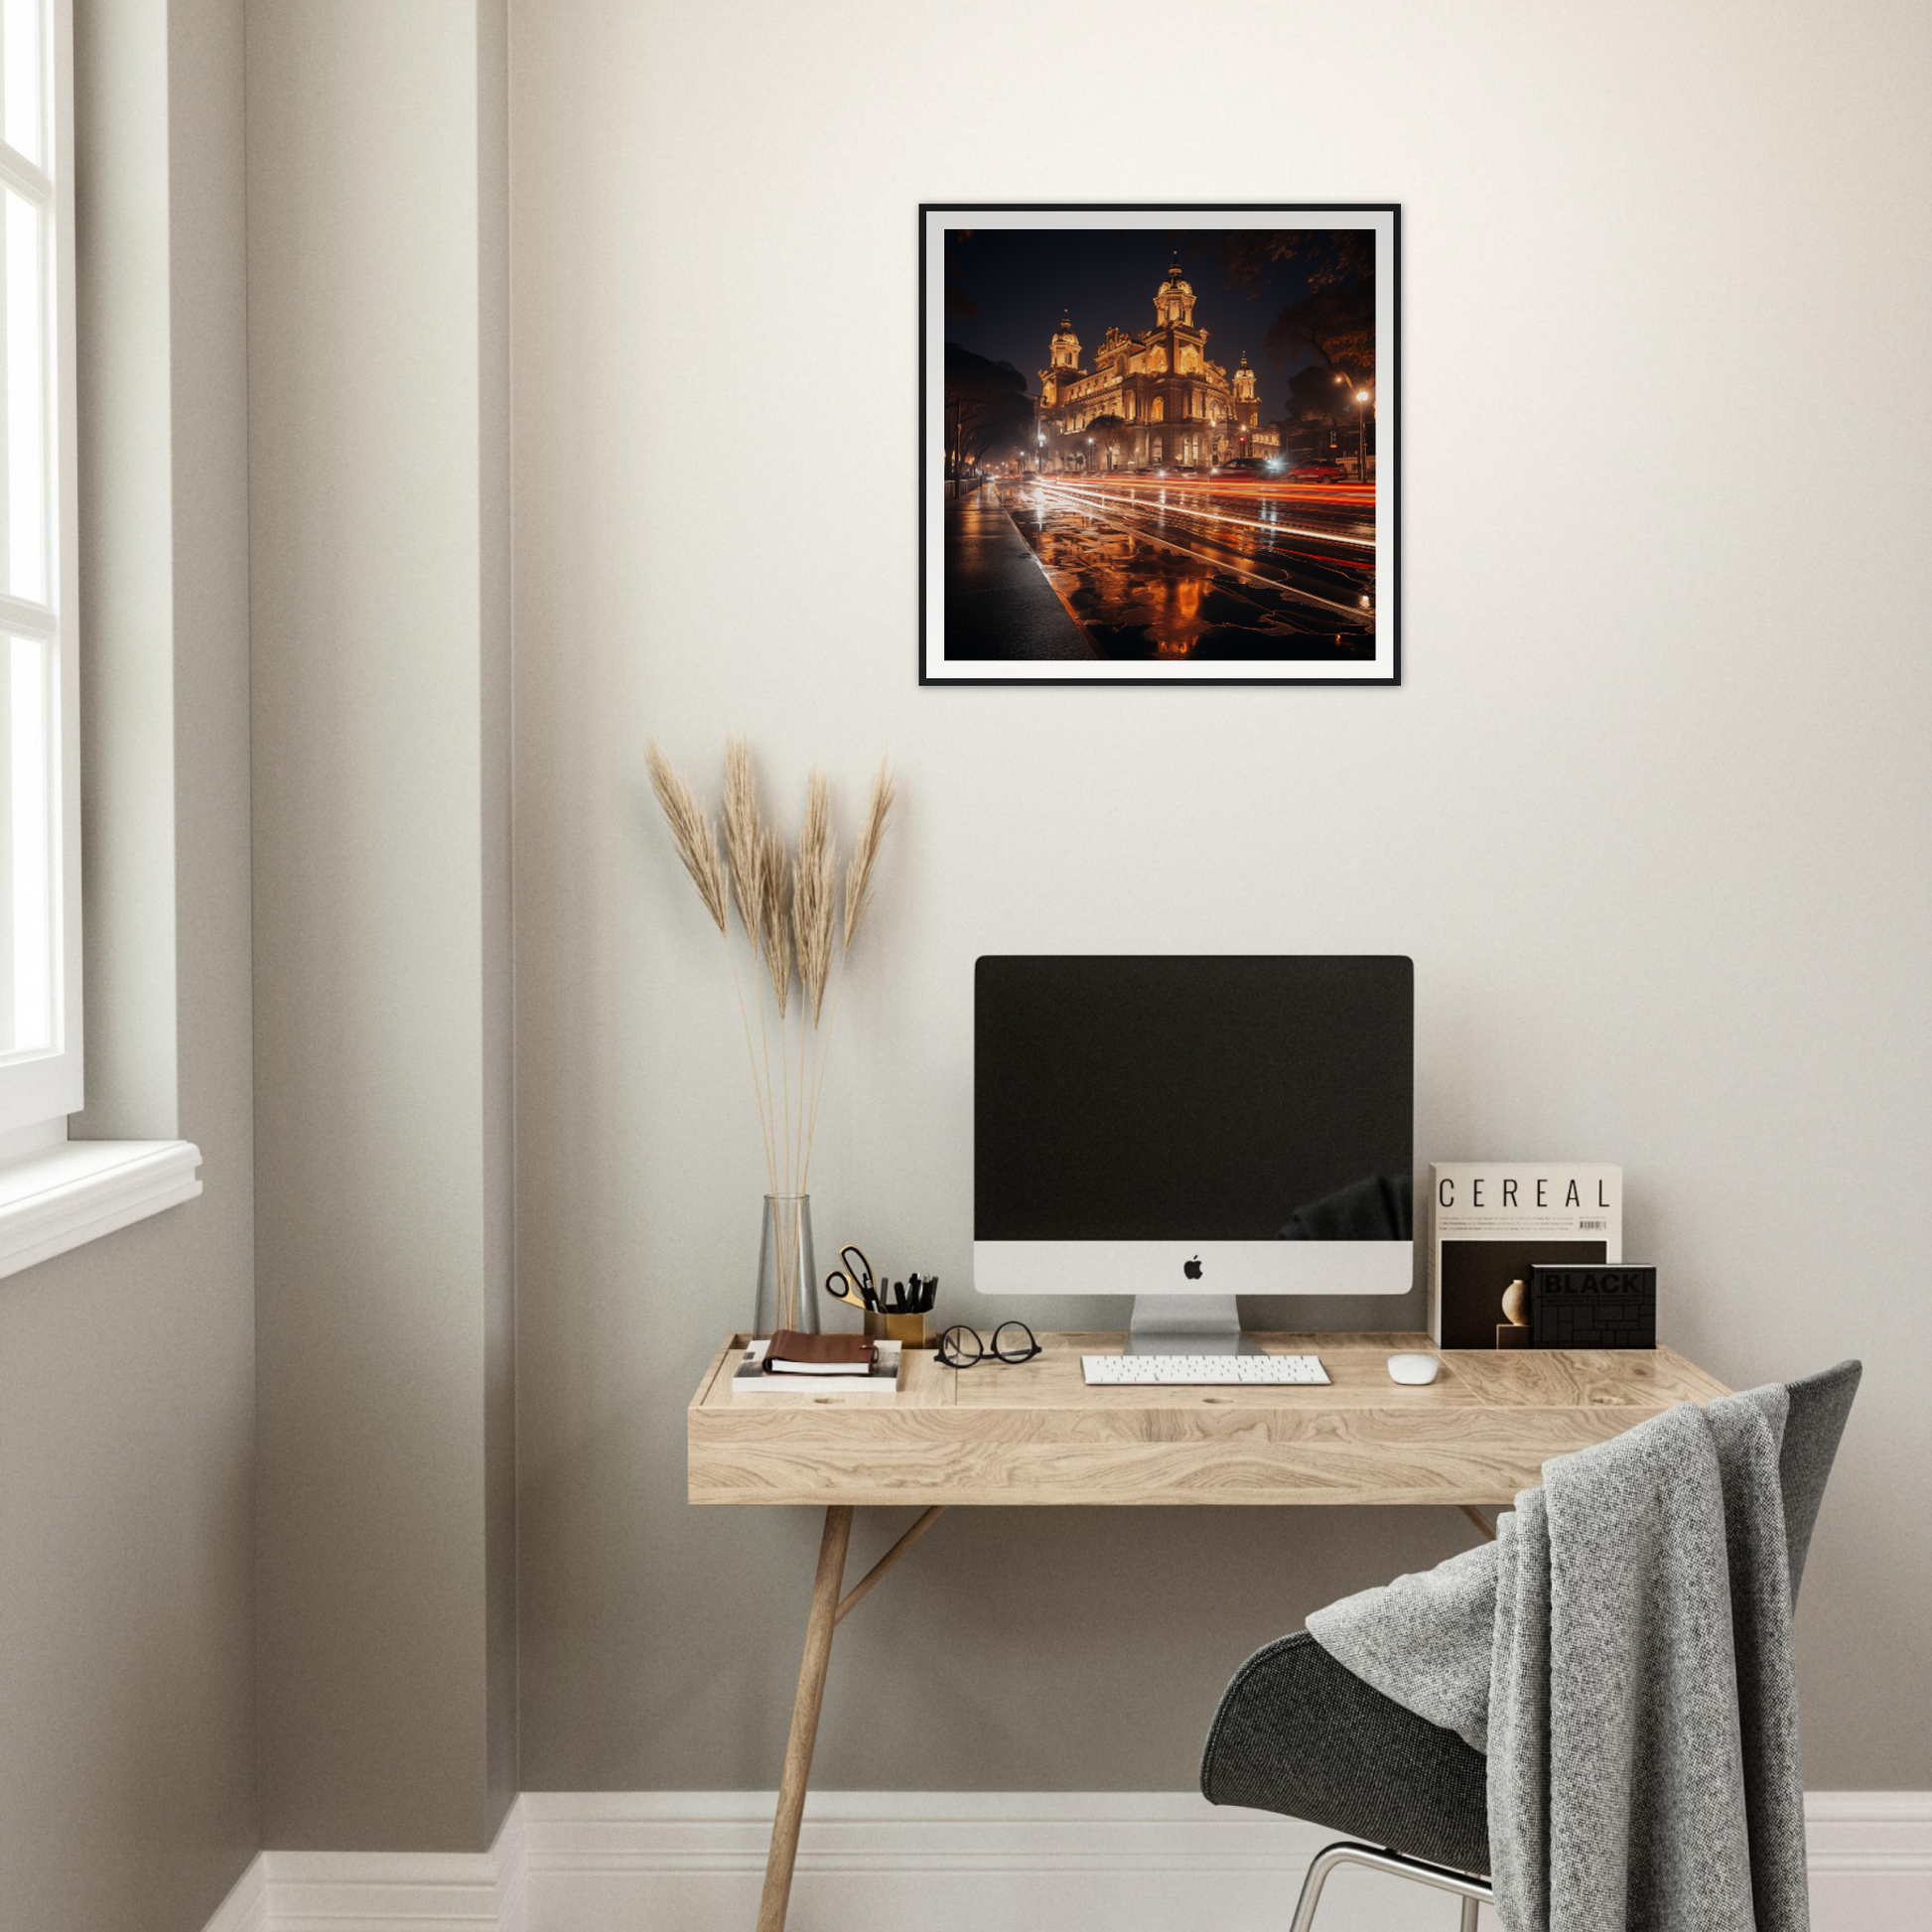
pixel 78 1190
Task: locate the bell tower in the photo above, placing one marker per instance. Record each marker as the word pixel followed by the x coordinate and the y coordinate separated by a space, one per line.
pixel 1247 411
pixel 1173 300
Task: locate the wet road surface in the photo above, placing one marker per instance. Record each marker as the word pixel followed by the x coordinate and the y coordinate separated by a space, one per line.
pixel 1205 568
pixel 998 603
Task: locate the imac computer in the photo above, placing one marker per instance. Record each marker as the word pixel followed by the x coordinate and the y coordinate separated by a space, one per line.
pixel 1187 1128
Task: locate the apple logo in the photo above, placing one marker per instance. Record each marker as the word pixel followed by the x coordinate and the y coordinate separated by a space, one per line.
pixel 1192 1269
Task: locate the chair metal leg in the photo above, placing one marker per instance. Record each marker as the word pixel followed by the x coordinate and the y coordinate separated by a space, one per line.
pixel 1325 1863
pixel 1473 1891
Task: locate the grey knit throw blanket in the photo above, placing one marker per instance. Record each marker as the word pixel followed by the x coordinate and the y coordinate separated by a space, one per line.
pixel 1622 1652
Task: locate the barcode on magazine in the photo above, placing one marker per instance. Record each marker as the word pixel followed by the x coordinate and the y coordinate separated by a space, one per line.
pixel 1600 1225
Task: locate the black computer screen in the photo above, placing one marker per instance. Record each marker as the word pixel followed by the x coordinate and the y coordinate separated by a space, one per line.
pixel 1204 1098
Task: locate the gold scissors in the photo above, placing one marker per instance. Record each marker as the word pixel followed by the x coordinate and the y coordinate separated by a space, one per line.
pixel 852 1282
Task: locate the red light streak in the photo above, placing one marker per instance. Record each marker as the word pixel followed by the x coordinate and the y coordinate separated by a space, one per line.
pixel 1089 493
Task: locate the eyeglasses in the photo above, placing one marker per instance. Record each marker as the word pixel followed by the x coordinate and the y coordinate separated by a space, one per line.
pixel 1013 1341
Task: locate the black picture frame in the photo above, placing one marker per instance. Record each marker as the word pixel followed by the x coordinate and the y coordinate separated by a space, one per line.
pixel 1387 673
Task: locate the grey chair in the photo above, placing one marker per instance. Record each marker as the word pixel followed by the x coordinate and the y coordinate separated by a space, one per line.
pixel 1300 1735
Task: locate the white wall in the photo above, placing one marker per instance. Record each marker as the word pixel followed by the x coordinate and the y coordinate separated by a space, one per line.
pixel 1650 810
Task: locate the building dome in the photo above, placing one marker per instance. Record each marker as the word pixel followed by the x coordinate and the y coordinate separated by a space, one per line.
pixel 1176 284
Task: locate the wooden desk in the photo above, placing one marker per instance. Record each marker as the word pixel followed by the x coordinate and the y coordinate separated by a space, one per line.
pixel 1033 1434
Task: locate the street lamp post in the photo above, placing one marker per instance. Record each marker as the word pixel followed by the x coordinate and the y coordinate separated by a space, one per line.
pixel 1090 454
pixel 1361 432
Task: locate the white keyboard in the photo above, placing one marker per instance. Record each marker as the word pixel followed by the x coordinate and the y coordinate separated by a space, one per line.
pixel 1201 1371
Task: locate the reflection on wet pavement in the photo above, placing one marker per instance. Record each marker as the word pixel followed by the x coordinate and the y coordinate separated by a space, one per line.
pixel 1198 589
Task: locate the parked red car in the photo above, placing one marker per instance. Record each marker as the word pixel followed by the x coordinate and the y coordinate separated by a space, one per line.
pixel 1318 473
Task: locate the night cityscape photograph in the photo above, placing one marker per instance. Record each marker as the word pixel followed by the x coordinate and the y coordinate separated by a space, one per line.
pixel 1157 451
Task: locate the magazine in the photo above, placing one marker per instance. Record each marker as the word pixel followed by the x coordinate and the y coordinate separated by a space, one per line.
pixel 1490 1220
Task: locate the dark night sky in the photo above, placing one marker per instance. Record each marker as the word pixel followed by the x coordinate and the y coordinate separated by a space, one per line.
pixel 1022 278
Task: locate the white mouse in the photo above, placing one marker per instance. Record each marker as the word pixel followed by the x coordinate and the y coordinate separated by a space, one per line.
pixel 1414 1369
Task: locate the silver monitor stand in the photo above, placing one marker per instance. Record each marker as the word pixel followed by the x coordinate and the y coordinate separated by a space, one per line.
pixel 1186 1324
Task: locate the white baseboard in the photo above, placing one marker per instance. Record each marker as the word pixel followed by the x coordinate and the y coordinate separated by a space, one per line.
pixel 385 1892
pixel 954 1861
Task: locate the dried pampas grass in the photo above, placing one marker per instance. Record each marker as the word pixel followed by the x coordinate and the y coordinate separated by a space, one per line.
pixel 742 847
pixel 865 853
pixel 691 832
pixel 774 917
pixel 789 913
pixel 814 896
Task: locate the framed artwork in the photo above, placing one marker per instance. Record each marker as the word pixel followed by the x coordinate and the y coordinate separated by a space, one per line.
pixel 1160 445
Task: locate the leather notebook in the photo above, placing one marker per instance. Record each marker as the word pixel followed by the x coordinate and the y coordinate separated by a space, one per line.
pixel 794 1353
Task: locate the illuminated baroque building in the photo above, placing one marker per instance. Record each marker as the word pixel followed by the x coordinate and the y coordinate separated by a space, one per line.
pixel 1177 405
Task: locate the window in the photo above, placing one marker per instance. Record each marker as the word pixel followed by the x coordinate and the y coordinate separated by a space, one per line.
pixel 40 860
pixel 55 1193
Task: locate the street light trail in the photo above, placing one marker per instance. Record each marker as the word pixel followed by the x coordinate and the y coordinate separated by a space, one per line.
pixel 1214 484
pixel 1278 584
pixel 1348 562
pixel 1219 516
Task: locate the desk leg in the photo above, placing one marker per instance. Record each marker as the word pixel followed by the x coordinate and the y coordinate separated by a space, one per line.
pixel 804 1718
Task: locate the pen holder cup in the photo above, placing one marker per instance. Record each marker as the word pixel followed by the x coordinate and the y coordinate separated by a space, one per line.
pixel 907 1329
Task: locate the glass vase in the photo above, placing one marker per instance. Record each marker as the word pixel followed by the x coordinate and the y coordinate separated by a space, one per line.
pixel 787 1271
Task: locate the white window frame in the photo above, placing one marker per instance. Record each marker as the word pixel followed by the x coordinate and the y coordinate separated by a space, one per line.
pixel 54 1192
pixel 38 1089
